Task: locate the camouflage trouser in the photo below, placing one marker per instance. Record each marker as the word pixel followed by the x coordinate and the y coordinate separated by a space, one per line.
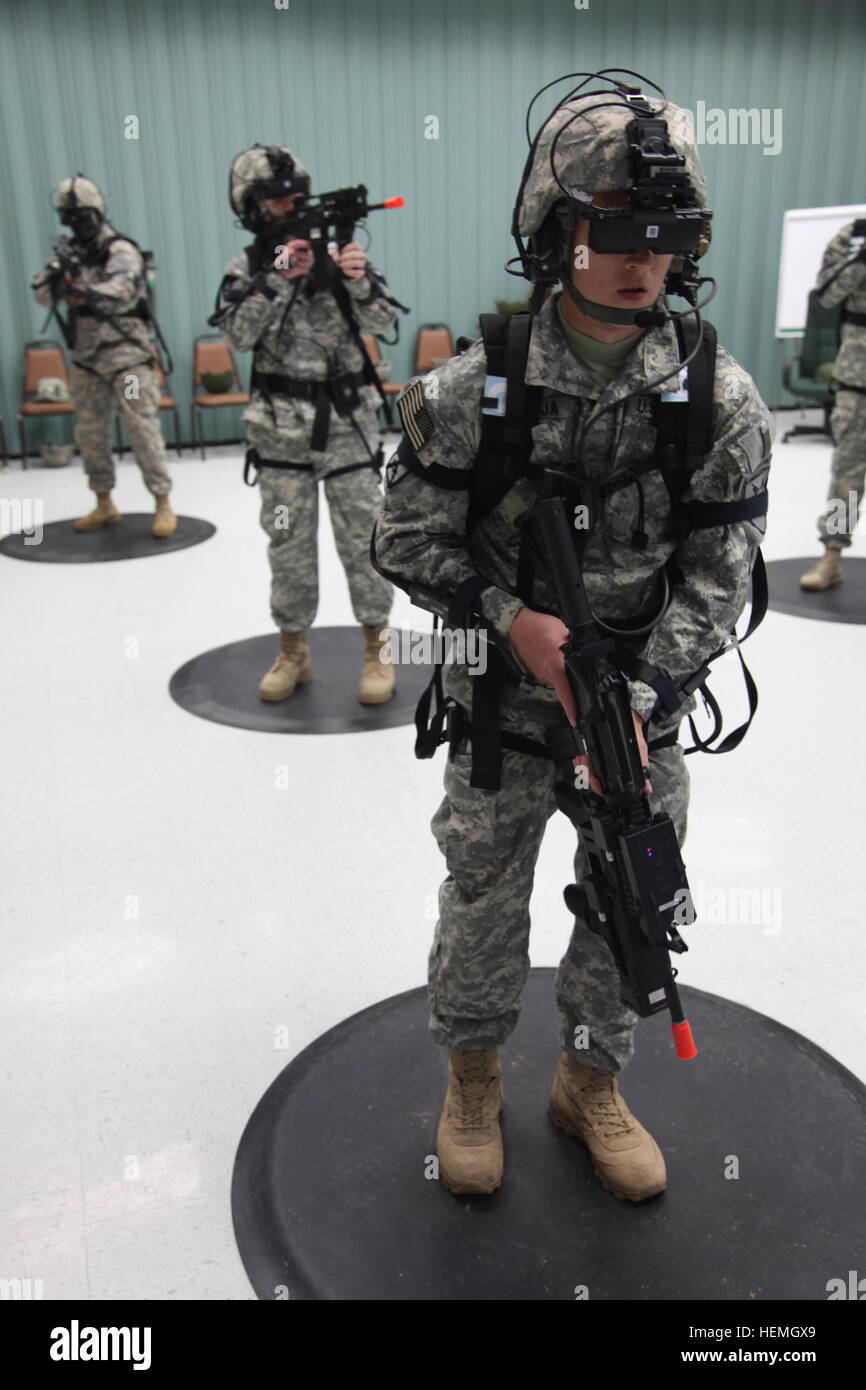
pixel 289 516
pixel 94 397
pixel 848 424
pixel 480 957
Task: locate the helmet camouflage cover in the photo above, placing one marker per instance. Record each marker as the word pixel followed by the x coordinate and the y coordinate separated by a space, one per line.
pixel 587 135
pixel 272 171
pixel 79 192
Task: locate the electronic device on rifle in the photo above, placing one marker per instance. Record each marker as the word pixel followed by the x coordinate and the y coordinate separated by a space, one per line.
pixel 637 882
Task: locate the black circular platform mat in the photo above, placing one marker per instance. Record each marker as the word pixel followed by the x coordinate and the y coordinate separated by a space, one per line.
pixel 763 1135
pixel 223 685
pixel 844 603
pixel 129 539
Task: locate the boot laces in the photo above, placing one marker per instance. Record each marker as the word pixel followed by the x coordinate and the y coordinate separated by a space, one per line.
pixel 600 1091
pixel 473 1090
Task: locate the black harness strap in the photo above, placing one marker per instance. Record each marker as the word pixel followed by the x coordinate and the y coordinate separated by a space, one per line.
pixel 371 376
pixel 684 428
pixel 702 514
pixel 503 457
pixel 506 439
pixel 760 598
pixel 339 392
pixel 562 744
pixel 448 478
pixel 849 316
pixel 464 597
pixel 354 468
pixel 254 460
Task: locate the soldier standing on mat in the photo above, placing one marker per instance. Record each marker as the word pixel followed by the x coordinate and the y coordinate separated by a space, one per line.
pixel 842 280
pixel 108 335
pixel 297 437
pixel 601 372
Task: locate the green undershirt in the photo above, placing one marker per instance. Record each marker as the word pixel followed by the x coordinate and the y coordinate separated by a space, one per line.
pixel 604 360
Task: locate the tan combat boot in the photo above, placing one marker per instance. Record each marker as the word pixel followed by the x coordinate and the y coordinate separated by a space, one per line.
pixel 827 572
pixel 165 521
pixel 377 677
pixel 104 514
pixel 292 667
pixel 469 1141
pixel 585 1103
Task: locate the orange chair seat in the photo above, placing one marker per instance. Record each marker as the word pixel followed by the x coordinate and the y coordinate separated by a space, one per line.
pixel 166 402
pixel 224 398
pixel 391 388
pixel 47 408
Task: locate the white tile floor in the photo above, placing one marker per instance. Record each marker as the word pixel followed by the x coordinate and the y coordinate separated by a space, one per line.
pixel 172 918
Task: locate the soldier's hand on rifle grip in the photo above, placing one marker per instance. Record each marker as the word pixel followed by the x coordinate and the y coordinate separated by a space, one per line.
pixel 642 749
pixel 538 639
pixel 595 785
pixel 351 260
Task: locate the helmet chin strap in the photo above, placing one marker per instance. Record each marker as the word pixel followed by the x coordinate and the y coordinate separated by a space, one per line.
pixel 639 318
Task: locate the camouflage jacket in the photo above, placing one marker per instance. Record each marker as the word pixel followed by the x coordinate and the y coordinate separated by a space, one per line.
pixel 421 535
pixel 106 345
pixel 849 289
pixel 299 334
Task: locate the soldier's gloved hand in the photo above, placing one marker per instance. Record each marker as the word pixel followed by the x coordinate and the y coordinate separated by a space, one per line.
pixel 300 256
pixel 73 297
pixel 537 639
pixel 351 260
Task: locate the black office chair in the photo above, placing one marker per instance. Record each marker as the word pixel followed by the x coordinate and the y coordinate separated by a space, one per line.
pixel 808 376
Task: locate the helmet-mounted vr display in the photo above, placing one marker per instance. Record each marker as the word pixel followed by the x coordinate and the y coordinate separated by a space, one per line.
pixel 80 205
pixel 613 140
pixel 286 181
pixel 265 171
pixel 663 212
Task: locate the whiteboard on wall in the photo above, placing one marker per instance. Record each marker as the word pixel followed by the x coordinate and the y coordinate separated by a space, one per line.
pixel 806 233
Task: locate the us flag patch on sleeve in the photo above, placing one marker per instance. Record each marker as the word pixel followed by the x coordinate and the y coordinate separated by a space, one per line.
pixel 415 416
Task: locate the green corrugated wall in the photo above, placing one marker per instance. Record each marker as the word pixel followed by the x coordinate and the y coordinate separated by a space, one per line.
pixel 348 85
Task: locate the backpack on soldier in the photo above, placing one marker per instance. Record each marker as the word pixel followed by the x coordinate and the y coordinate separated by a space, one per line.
pixel 146 307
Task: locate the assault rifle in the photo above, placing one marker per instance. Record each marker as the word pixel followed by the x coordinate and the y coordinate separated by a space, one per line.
pixel 64 267
pixel 329 217
pixel 637 878
pixel 66 262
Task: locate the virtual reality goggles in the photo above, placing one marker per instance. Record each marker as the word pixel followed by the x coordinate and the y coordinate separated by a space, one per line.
pixel 284 188
pixel 663 213
pixel 284 182
pixel 664 232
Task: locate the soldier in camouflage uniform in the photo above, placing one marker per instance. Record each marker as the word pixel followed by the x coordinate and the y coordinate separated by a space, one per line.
pixel 112 352
pixel 270 303
pixel 585 359
pixel 842 280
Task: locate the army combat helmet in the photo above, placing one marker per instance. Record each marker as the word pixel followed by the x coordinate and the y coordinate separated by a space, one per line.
pixel 611 139
pixel 265 171
pixel 81 206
